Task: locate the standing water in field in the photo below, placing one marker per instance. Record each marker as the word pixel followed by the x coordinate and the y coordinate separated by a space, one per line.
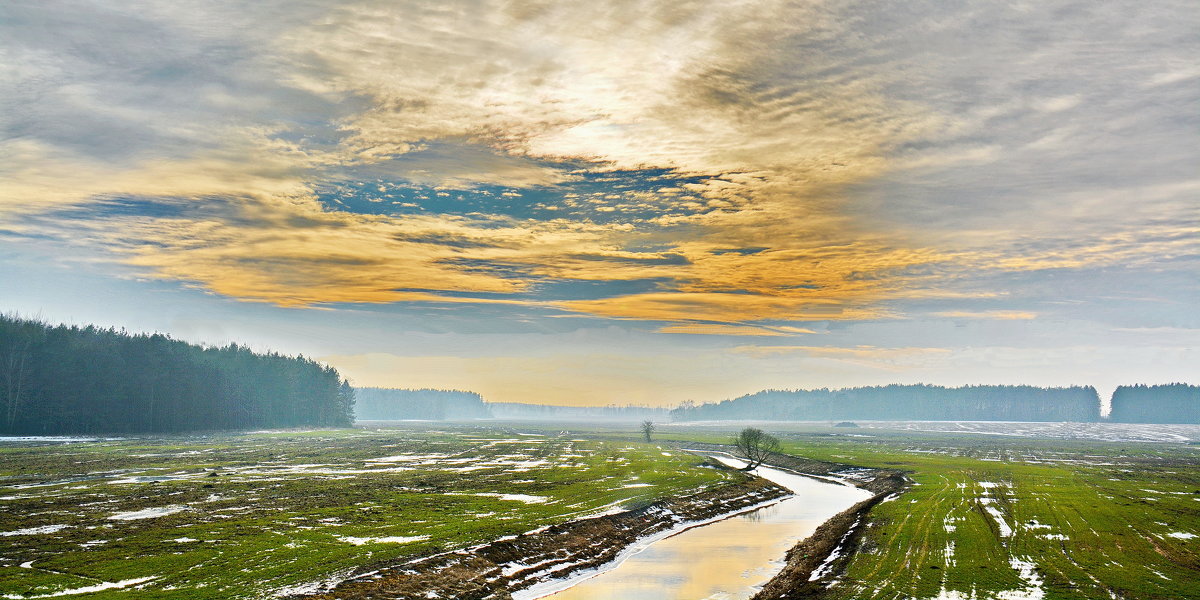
pixel 726 560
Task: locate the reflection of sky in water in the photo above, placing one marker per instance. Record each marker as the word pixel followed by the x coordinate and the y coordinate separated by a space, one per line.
pixel 724 560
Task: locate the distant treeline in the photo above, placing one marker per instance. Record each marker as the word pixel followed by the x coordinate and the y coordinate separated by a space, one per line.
pixel 71 380
pixel 1172 403
pixel 385 404
pixel 1175 403
pixel 905 402
pixel 543 412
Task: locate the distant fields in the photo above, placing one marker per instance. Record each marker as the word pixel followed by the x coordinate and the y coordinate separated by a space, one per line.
pixel 243 516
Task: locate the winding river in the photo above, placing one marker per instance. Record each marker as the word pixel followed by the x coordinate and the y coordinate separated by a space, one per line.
pixel 725 560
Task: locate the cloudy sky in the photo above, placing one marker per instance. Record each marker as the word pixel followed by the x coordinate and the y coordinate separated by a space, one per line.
pixel 616 202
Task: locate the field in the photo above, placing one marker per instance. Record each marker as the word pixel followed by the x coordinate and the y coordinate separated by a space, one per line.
pixel 992 514
pixel 256 515
pixel 1000 516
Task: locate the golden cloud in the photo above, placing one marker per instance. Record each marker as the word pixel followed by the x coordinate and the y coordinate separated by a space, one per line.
pixel 502 94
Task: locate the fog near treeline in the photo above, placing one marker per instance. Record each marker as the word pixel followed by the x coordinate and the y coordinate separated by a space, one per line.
pixel 69 379
pixel 1172 403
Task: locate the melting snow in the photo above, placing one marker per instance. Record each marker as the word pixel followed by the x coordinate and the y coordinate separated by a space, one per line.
pixel 35 530
pixel 113 585
pixel 358 541
pixel 1005 530
pixel 1182 535
pixel 526 498
pixel 148 513
pixel 1027 572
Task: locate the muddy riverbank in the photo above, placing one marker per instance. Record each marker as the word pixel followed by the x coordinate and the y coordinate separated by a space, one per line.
pixel 496 569
pixel 821 557
pixel 493 571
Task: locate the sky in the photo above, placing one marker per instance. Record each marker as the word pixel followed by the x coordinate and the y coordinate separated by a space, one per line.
pixel 616 202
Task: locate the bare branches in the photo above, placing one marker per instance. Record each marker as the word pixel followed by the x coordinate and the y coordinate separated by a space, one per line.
pixel 648 427
pixel 756 446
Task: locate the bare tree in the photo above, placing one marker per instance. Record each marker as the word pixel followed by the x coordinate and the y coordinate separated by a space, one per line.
pixel 648 428
pixel 756 446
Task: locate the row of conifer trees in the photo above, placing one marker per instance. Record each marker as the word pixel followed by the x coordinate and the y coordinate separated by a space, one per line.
pixel 70 380
pixel 1172 403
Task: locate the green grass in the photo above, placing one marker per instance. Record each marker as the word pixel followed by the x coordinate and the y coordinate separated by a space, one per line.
pixel 1093 518
pixel 258 519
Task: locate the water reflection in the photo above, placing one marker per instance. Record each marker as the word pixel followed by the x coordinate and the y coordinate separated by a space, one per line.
pixel 725 560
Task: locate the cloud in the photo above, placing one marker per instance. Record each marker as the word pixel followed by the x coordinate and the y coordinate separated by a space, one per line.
pixel 888 359
pixel 738 330
pixel 800 162
pixel 867 352
pixel 1007 315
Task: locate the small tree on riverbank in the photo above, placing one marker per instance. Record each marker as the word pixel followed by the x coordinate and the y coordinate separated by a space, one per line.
pixel 756 446
pixel 648 428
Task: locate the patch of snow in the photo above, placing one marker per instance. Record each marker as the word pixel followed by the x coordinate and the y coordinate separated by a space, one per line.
pixel 1181 535
pixel 408 457
pixel 359 541
pixel 1033 590
pixel 526 498
pixel 148 513
pixel 35 530
pixel 108 585
pixel 1005 530
pixel 312 587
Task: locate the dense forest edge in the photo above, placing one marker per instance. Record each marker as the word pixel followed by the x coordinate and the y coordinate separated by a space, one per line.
pixel 67 379
pixel 1171 403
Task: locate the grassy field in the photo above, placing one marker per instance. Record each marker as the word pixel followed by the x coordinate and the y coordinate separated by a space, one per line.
pixel 999 517
pixel 238 516
pixel 994 514
pixel 243 516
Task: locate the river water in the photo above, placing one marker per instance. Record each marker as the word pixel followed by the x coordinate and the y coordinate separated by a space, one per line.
pixel 725 560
